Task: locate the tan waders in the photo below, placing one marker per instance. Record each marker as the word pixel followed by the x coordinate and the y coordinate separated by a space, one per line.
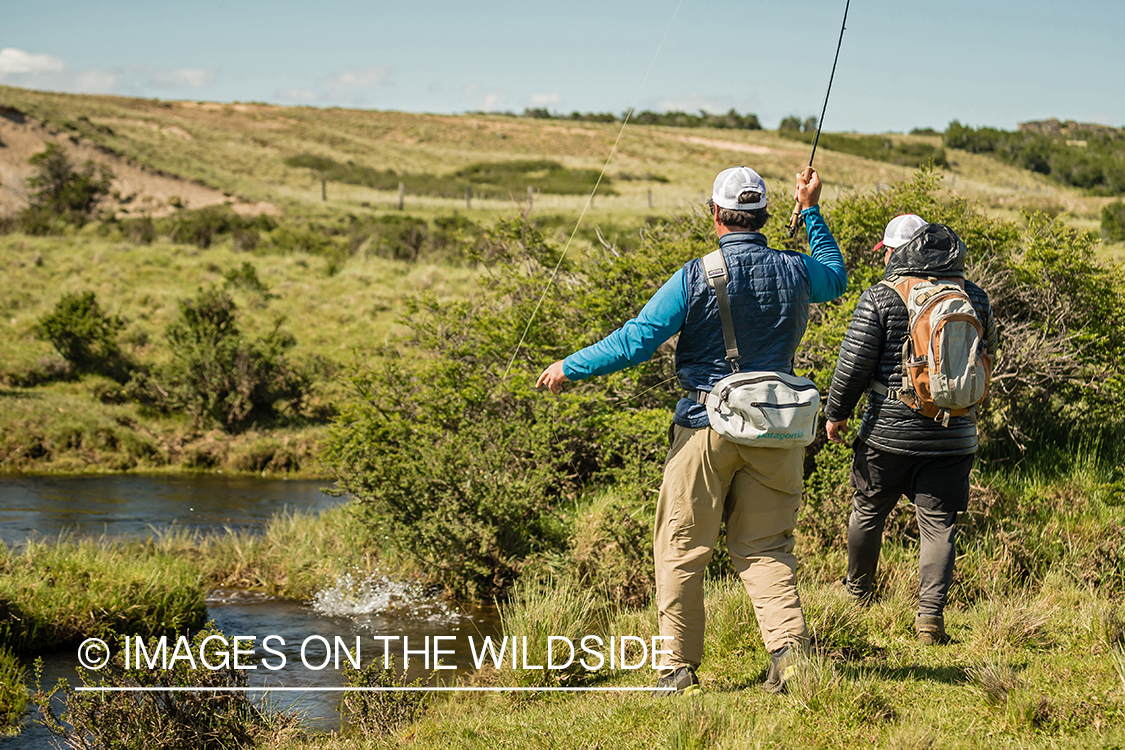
pixel 757 491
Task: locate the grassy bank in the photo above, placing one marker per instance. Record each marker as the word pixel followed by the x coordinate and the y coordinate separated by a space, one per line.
pixel 1037 658
pixel 57 420
pixel 1026 672
pixel 56 593
pixel 296 555
pixel 13 694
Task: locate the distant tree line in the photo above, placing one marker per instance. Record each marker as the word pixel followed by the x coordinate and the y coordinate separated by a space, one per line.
pixel 1091 158
pixel 732 120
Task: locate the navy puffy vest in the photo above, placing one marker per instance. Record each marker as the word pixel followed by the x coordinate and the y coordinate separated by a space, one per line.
pixel 769 296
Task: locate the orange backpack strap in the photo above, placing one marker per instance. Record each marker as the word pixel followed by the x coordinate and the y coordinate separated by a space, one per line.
pixel 905 393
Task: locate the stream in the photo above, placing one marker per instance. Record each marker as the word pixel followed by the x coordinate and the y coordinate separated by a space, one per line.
pixel 381 612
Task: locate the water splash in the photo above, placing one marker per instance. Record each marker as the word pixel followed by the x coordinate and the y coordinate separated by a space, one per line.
pixel 357 595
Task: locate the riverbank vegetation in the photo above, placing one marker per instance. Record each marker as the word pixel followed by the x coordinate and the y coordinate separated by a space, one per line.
pixel 396 351
pixel 122 717
pixel 427 439
pixel 13 693
pixel 1039 637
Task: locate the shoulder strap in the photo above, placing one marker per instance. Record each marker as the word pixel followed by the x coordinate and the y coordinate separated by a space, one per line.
pixel 715 271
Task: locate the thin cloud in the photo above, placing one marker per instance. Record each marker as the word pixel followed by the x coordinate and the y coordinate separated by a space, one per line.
pixel 698 102
pixel 482 100
pixel 351 87
pixel 49 72
pixel 544 100
pixel 491 101
pixel 304 96
pixel 184 78
pixel 356 78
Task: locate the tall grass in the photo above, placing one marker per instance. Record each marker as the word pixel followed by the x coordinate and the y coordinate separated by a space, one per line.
pixel 295 556
pixel 540 609
pixel 55 593
pixel 13 693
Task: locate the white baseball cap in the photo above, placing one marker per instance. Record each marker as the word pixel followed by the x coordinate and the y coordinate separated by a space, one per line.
pixel 899 231
pixel 735 181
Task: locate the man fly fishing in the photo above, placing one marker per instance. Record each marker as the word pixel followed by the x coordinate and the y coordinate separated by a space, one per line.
pixel 753 328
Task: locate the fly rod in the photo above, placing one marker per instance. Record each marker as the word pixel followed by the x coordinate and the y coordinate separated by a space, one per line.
pixel 820 123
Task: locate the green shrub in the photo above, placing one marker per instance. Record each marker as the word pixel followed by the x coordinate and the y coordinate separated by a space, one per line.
pixel 1062 342
pixel 13 693
pixel 61 192
pixel 496 178
pixel 377 712
pixel 246 277
pixel 83 334
pixel 732 120
pixel 141 231
pixel 471 472
pixel 790 124
pixel 1085 156
pixel 1113 221
pixel 200 719
pixel 877 147
pixel 220 378
pixel 201 226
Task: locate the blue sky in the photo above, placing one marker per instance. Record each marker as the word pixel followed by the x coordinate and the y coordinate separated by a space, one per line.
pixel 903 64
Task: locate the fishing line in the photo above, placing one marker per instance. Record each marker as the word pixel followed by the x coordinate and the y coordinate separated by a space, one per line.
pixel 646 390
pixel 590 198
pixel 820 122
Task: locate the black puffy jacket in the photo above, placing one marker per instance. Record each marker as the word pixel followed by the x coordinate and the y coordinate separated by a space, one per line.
pixel 872 349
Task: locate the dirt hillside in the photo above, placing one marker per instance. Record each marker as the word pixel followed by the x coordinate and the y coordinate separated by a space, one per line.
pixel 136 190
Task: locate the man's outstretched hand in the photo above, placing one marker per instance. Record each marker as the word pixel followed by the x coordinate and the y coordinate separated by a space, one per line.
pixel 553 377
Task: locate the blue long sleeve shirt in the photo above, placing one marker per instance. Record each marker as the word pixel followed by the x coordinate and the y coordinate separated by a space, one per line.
pixel 663 315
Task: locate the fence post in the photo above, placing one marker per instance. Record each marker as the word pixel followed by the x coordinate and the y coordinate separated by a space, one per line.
pixel 468 197
pixel 401 194
pixel 323 189
pixel 650 198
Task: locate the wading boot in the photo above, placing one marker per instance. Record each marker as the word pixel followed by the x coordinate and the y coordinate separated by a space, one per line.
pixel 783 663
pixel 682 682
pixel 931 630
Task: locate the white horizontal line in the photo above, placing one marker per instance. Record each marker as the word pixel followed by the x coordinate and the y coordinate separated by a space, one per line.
pixel 370 689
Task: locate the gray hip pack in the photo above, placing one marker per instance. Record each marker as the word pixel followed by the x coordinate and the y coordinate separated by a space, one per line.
pixel 762 409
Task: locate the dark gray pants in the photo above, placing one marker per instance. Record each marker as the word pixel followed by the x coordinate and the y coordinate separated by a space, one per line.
pixel 939 488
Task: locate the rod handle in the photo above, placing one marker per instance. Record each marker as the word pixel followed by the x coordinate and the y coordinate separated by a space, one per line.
pixel 796 217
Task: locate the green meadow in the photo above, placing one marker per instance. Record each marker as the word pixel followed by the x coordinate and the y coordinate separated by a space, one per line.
pixel 395 332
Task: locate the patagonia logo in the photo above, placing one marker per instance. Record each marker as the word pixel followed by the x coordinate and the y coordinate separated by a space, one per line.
pixel 716 272
pixel 782 435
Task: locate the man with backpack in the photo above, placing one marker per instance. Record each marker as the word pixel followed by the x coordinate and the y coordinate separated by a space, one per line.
pixel 742 309
pixel 922 342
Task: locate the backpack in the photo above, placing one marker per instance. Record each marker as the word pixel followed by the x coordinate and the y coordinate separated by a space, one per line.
pixel 945 370
pixel 763 409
